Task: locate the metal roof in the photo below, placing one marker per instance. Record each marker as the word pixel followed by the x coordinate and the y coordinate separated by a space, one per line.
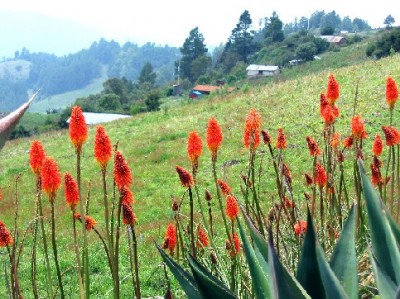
pixel 258 67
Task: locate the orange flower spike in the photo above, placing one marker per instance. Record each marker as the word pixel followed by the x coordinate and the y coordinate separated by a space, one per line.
pixel 335 140
pixel 71 191
pixel 5 236
pixel 348 142
pixel 90 223
pixel 392 135
pixel 280 140
pixel 202 238
pixel 170 238
pixel 251 139
pixel 185 177
pixel 320 175
pixel 323 103
pixel 236 243
pixel 329 114
pixel 253 121
pixel 36 156
pixel 377 146
pixel 51 177
pixel 126 196
pixel 313 147
pixel 194 148
pixel 392 92
pixel 225 188
pixel 357 127
pixel 232 208
pixel 102 147
pixel 376 176
pixel 214 137
pixel 128 216
pixel 78 130
pixel 288 203
pixel 332 90
pixel 300 227
pixel 122 173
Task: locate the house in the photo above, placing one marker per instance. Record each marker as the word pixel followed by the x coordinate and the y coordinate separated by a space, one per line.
pixel 92 118
pixel 256 70
pixel 336 40
pixel 205 89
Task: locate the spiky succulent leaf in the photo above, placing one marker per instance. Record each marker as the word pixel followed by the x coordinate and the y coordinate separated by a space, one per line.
pixel 384 246
pixel 208 285
pixel 262 289
pixel 394 227
pixel 386 286
pixel 186 281
pixel 344 259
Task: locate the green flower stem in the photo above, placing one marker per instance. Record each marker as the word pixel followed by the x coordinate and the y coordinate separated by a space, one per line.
pixel 54 244
pixel 77 257
pixel 191 225
pixel 136 262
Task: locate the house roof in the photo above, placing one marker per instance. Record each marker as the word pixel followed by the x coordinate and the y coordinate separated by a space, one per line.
pixel 92 118
pixel 205 88
pixel 333 38
pixel 258 67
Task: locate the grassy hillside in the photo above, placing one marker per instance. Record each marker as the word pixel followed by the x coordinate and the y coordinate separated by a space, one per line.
pixel 17 70
pixel 154 143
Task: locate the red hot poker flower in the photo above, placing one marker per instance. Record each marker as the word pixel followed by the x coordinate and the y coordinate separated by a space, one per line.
pixel 5 236
pixel 392 135
pixel 127 195
pixel 332 90
pixel 357 127
pixel 170 238
pixel 194 148
pixel 313 147
pixel 391 92
pixel 214 137
pixel 236 245
pixel 78 131
pixel 232 208
pixel 323 103
pixel 89 221
pixel 36 156
pixel 122 173
pixel 266 137
pixel 185 177
pixel 202 238
pixel 376 176
pixel 71 191
pixel 128 216
pixel 309 179
pixel 225 188
pixel 102 147
pixel 51 177
pixel 300 227
pixel 280 140
pixel 335 140
pixel 253 121
pixel 251 139
pixel 348 142
pixel 377 146
pixel 320 175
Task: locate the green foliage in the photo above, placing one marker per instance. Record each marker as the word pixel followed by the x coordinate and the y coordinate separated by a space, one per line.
pixel 147 74
pixel 153 101
pixel 387 43
pixel 306 51
pixel 273 29
pixel 110 103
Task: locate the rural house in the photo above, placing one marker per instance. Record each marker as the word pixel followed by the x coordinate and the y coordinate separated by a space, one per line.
pixel 256 70
pixel 200 90
pixel 336 40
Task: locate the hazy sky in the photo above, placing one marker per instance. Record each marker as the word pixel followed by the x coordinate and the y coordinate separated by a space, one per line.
pixel 169 22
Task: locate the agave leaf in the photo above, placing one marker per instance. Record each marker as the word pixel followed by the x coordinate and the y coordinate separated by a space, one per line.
pixel 8 123
pixel 394 227
pixel 308 272
pixel 285 285
pixel 344 259
pixel 262 289
pixel 386 287
pixel 185 280
pixel 208 285
pixel 398 293
pixel 384 246
pixel 333 289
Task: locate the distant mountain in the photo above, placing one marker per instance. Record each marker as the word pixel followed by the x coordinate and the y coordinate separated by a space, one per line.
pixel 41 33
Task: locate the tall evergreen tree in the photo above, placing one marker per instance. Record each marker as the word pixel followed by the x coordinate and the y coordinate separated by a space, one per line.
pixel 192 48
pixel 274 31
pixel 147 74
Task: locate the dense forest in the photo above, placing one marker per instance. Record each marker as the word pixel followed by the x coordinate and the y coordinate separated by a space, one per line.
pixel 144 73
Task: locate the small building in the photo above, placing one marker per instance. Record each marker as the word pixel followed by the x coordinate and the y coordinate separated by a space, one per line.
pixel 334 39
pixel 205 89
pixel 256 70
pixel 92 118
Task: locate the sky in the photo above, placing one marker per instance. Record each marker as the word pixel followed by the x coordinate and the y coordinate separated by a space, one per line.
pixel 169 22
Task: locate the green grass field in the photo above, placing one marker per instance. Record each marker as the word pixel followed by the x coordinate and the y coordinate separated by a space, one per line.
pixel 154 143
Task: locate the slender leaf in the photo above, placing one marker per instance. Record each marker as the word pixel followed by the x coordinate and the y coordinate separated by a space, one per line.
pixel 308 273
pixel 394 227
pixel 208 285
pixel 344 258
pixel 185 280
pixel 8 123
pixel 386 286
pixel 286 286
pixel 333 289
pixel 384 246
pixel 262 289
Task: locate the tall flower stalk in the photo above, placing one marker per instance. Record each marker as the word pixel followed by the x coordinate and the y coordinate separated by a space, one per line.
pixel 51 180
pixel 78 134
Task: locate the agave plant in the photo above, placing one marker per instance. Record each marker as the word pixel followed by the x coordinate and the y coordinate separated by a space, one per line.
pixel 315 277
